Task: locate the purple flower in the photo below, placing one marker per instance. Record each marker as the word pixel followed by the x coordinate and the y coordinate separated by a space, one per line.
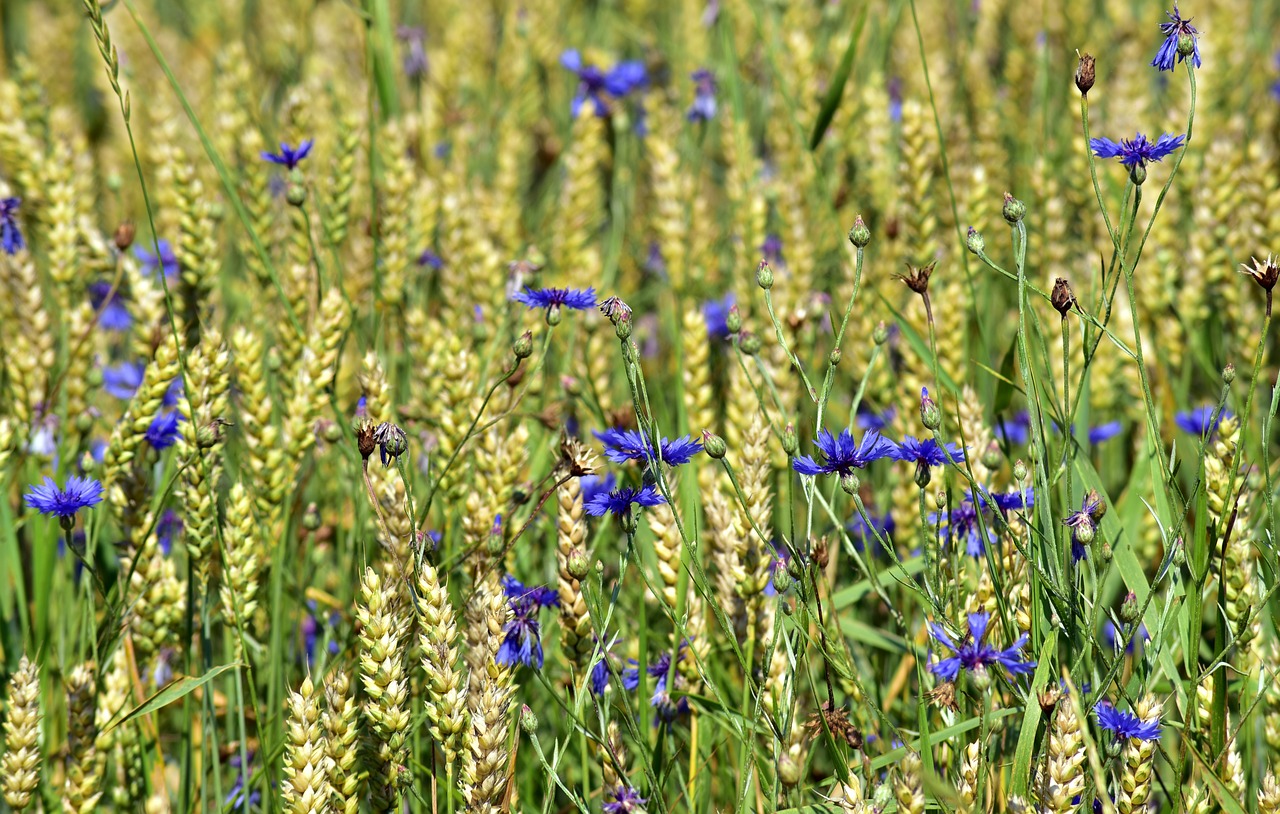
pixel 429 259
pixel 51 501
pixel 962 521
pixel 594 83
pixel 123 380
pixel 1008 501
pixel 621 446
pixel 1015 430
pixel 522 643
pixel 112 313
pixel 619 501
pixel 870 420
pixel 1104 432
pixel 169 527
pixel 164 258
pixel 863 535
pixel 624 800
pixel 716 314
pixel 973 653
pixel 593 485
pixel 1136 151
pixel 1132 638
pixel 288 156
pixel 926 453
pixel 1201 421
pixel 10 235
pixel 238 799
pixel 1126 724
pixel 579 299
pixel 703 108
pixel 841 455
pixel 415 56
pixel 895 99
pixel 163 431
pixel 771 249
pixel 600 670
pixel 667 709
pixel 1173 30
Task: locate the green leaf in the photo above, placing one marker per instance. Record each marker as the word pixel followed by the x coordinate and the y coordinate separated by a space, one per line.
pixel 835 92
pixel 1004 390
pixel 178 689
pixel 1031 719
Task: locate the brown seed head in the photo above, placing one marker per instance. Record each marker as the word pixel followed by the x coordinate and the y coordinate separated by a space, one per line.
pixel 1085 73
pixel 124 235
pixel 1062 297
pixel 944 696
pixel 365 440
pixel 917 279
pixel 1264 272
pixel 837 721
pixel 1048 698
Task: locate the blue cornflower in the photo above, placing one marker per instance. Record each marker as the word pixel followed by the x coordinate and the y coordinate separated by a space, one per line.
pixel 1200 421
pixel 164 258
pixel 289 157
pixel 415 54
pixel 1010 501
pixel 123 380
pixel 1132 638
pixel 1173 30
pixel 667 709
pixel 600 670
pixel 871 420
pixel 619 501
pixel 50 500
pixel 771 249
pixel 1137 151
pixel 238 799
pixel 926 453
pixel 593 485
pixel 593 82
pixel 1015 430
pixel 1104 432
pixel 522 643
pixel 862 535
pixel 1126 724
pixel 113 315
pixel 163 431
pixel 621 446
pixel 716 314
pixel 579 299
pixel 169 527
pixel 973 653
pixel 962 521
pixel 703 108
pixel 894 87
pixel 625 800
pixel 10 235
pixel 429 259
pixel 1084 524
pixel 841 455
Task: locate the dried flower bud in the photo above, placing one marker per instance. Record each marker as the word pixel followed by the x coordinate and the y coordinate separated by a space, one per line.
pixel 615 310
pixel 1048 698
pixel 392 441
pixel 523 346
pixel 124 235
pixel 733 320
pixel 821 554
pixel 1019 471
pixel 714 445
pixel 764 275
pixel 1014 210
pixel 1264 272
pixel 930 415
pixel 859 235
pixel 1062 296
pixel 790 443
pixel 974 241
pixel 917 279
pixel 1229 374
pixel 364 439
pixel 749 342
pixel 880 333
pixel 1085 73
pixel 1130 612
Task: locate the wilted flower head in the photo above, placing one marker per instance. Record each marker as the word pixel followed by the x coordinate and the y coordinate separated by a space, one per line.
pixel 841 455
pixel 615 310
pixel 621 446
pixel 1201 420
pixel 1126 725
pixel 10 235
pixel 973 653
pixel 1171 52
pixel 391 440
pixel 704 100
pixel 1264 272
pixel 289 157
pixel 594 84
pixel 620 500
pixel 1137 151
pixel 917 279
pixel 51 501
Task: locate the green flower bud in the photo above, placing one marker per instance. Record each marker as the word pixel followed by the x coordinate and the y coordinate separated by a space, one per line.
pixel 923 475
pixel 849 483
pixel 1105 553
pixel 930 415
pixel 991 456
pixel 578 565
pixel 880 333
pixel 781 580
pixel 1014 210
pixel 1186 45
pixel 940 500
pixel 528 721
pixel 790 443
pixel 332 432
pixel 1229 374
pixel 311 517
pixel 764 276
pixel 623 328
pixel 749 342
pixel 974 241
pixel 834 357
pixel 295 194
pixel 1019 471
pixel 629 522
pixel 733 320
pixel 714 445
pixel 789 770
pixel 553 315
pixel 1130 611
pixel 1085 531
pixel 1138 174
pixel 859 235
pixel 523 346
pixel 84 423
pixel 981 678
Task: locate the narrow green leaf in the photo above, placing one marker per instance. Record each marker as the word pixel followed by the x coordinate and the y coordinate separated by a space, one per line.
pixel 1004 390
pixel 835 92
pixel 1031 719
pixel 178 689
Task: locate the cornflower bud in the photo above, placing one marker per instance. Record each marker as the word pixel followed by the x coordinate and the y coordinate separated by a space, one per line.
pixel 880 333
pixel 1229 374
pixel 781 580
pixel 1062 297
pixel 749 342
pixel 1186 45
pixel 1019 471
pixel 553 315
pixel 1105 554
pixel 940 500
pixel 1085 531
pixel 1014 210
pixel 1085 73
pixel 733 320
pixel 930 415
pixel 295 194
pixel 764 275
pixel 975 241
pixel 923 475
pixel 1138 174
pixel 991 456
pixel 849 483
pixel 1129 610
pixel 528 721
pixel 859 235
pixel 713 445
pixel 623 328
pixel 578 564
pixel 834 357
pixel 523 346
pixel 790 443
